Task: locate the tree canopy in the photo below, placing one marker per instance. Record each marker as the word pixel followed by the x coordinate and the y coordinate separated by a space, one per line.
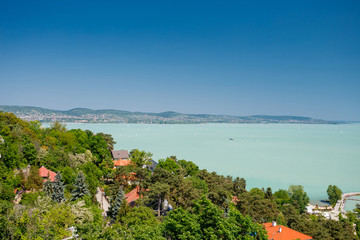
pixel 334 193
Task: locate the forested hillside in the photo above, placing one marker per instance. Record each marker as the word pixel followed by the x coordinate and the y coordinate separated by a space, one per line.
pixel 177 200
pixel 82 115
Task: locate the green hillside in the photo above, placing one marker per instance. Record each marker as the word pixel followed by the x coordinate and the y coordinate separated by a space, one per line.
pixel 118 116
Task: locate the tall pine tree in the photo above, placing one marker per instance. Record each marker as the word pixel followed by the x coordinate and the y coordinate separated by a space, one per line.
pixel 55 189
pixel 115 205
pixel 48 188
pixel 80 187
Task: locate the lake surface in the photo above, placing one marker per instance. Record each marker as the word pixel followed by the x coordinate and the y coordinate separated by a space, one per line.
pixel 274 155
pixel 351 204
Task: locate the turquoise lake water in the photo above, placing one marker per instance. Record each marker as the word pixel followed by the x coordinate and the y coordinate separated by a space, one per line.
pixel 351 204
pixel 274 155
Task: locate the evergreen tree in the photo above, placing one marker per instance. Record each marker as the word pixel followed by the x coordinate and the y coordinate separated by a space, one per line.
pixel 80 187
pixel 268 193
pixel 58 195
pixel 239 186
pixel 55 189
pixel 48 188
pixel 115 205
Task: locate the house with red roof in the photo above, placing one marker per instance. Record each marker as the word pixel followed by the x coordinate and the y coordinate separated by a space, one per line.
pixel 132 196
pixel 47 174
pixel 120 162
pixel 280 232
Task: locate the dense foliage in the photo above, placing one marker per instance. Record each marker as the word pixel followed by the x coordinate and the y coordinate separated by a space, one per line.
pixel 334 193
pixel 177 199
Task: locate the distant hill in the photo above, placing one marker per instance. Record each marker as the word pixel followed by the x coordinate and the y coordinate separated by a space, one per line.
pixel 85 115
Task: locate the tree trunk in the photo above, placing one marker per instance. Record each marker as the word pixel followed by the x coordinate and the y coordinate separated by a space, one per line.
pixel 159 206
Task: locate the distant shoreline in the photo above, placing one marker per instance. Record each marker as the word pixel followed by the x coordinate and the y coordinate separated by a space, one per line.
pixel 204 123
pixel 84 115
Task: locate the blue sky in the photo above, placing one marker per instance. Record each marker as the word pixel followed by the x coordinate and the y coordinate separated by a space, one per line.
pixel 217 57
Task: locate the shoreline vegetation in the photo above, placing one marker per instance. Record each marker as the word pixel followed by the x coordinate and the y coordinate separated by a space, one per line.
pixel 50 177
pixel 84 115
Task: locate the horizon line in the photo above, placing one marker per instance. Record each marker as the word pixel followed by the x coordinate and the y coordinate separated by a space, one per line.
pixel 253 115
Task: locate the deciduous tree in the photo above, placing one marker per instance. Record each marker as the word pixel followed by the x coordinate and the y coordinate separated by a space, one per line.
pixel 34 181
pixel 298 197
pixel 334 193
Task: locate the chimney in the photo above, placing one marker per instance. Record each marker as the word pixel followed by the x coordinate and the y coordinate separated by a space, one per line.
pixel 274 223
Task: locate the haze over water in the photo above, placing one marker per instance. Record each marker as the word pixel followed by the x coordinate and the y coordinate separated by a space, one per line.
pixel 266 155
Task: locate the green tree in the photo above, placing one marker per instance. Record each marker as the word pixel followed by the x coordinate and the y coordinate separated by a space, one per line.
pixel 169 164
pixel 11 156
pixel 58 185
pixel 57 126
pixel 182 192
pixel 48 188
pixel 199 184
pixel 93 175
pixel 239 186
pixel 34 181
pixel 139 216
pixel 298 197
pixel 80 189
pixel 30 153
pixel 268 193
pixel 45 220
pixel 142 176
pixel 99 149
pixel 191 168
pixel 158 192
pixel 55 189
pixel 68 177
pixel 207 221
pixel 115 205
pixel 6 191
pixel 282 196
pixel 29 199
pixel 5 209
pixel 181 224
pixel 334 194
pixel 220 187
pixel 140 158
pixel 109 140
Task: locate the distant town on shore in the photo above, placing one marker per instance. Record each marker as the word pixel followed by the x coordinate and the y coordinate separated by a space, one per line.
pixel 85 115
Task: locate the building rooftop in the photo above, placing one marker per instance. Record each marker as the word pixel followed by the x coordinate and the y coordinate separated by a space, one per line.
pixel 117 154
pixel 285 233
pixel 132 196
pixel 46 173
pixel 120 162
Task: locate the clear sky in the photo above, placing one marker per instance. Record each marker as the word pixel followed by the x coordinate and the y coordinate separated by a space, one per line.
pixel 217 57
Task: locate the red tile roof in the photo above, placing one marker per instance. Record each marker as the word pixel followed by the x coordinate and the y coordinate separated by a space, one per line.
pixel 120 162
pixel 285 234
pixel 132 196
pixel 45 173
